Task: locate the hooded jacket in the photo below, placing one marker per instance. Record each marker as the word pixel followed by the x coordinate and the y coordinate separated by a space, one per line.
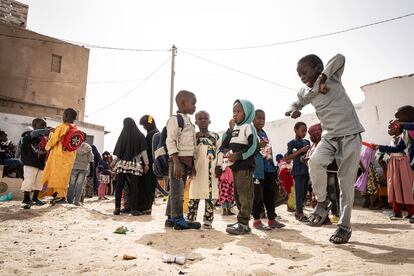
pixel 243 140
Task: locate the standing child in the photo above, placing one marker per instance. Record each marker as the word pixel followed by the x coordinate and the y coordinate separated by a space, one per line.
pixel 341 138
pixel 60 161
pixel 226 188
pixel 204 185
pixel 296 150
pixel 104 174
pixel 286 178
pixel 33 155
pixel 242 142
pixel 265 178
pixel 181 147
pixel 399 173
pixel 80 170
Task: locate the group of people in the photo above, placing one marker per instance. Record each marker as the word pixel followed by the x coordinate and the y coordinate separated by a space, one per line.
pixel 237 167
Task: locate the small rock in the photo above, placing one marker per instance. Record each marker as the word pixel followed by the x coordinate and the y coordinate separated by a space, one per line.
pixel 105 239
pixel 30 230
pixel 16 242
pixel 149 243
pixel 328 265
pixel 293 258
pixel 231 253
pixel 202 236
pixel 291 267
pixel 181 273
pixel 272 264
pixel 60 246
pixel 220 248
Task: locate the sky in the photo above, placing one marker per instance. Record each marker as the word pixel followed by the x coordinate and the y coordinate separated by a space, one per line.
pixel 372 54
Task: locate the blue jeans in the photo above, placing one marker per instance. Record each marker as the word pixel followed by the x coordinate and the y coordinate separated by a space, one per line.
pixel 76 184
pixel 301 187
pixel 176 195
pixel 12 163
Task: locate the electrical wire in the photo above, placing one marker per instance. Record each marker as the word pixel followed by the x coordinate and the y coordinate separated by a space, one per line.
pixel 131 90
pixel 65 41
pixel 238 71
pixel 59 81
pixel 302 39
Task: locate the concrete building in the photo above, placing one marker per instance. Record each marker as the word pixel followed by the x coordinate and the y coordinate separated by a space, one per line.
pixel 40 76
pixel 382 98
pixel 13 13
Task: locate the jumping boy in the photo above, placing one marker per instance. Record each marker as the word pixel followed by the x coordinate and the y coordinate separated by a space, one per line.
pixel 341 140
pixel 242 142
pixel 181 147
pixel 60 161
pixel 33 155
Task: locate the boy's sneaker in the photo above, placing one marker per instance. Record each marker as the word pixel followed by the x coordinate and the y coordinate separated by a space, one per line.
pixel 238 229
pixel 258 224
pixel 273 223
pixel 169 223
pixel 38 202
pixel 182 224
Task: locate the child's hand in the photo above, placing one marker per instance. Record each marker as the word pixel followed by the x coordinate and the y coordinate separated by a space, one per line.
pixel 178 170
pixel 146 168
pixel 322 86
pixel 295 114
pixel 304 149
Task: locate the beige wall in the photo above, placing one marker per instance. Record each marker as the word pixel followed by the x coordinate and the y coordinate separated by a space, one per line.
pixel 381 101
pixel 27 84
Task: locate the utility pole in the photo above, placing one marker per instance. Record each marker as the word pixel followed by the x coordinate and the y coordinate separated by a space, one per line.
pixel 173 54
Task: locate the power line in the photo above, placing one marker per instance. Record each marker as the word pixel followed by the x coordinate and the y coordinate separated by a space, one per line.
pixel 132 90
pixel 303 39
pixel 238 71
pixel 60 81
pixel 64 41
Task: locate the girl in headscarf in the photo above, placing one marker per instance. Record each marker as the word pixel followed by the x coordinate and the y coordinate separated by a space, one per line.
pixel 149 180
pixel 130 148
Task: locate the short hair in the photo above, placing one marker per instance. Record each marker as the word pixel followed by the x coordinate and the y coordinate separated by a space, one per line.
pixel 70 113
pixel 182 94
pixel 313 61
pixel 407 111
pixel 299 124
pixel 39 121
pixel 259 110
pixel 202 111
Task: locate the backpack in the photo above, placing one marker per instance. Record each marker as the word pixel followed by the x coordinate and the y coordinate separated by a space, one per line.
pixel 159 149
pixel 73 139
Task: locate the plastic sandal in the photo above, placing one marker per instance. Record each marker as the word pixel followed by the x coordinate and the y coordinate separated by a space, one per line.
pixel 342 234
pixel 319 214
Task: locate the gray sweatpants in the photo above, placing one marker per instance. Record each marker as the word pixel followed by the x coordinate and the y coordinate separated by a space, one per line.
pixel 346 151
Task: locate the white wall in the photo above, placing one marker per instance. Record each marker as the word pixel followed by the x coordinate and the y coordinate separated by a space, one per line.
pixel 14 125
pixel 381 101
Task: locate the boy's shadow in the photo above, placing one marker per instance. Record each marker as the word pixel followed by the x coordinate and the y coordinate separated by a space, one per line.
pixel 392 255
pixel 380 228
pixel 16 212
pixel 186 242
pixel 107 214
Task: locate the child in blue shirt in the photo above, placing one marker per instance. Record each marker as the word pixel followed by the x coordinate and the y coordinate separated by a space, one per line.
pixel 265 176
pixel 296 150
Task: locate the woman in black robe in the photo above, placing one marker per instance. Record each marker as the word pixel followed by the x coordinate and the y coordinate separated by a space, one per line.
pixel 132 162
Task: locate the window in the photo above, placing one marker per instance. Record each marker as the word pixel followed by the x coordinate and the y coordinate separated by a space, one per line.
pixel 89 139
pixel 56 63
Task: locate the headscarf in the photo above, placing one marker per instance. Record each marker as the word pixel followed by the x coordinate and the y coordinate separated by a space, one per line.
pixel 130 142
pixel 315 132
pixel 249 114
pixel 148 121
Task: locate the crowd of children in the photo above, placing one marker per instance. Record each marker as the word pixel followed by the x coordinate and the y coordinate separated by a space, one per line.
pixel 236 169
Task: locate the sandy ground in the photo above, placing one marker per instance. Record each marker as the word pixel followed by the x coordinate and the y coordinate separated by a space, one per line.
pixel 79 240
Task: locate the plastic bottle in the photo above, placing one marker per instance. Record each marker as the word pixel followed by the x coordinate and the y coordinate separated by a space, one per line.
pixel 167 258
pixel 6 197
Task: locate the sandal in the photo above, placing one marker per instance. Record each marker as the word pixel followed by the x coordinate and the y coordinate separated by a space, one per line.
pixel 319 214
pixel 238 229
pixel 411 220
pixel 302 218
pixel 261 226
pixel 341 236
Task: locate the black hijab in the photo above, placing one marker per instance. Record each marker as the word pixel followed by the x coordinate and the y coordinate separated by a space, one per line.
pixel 130 142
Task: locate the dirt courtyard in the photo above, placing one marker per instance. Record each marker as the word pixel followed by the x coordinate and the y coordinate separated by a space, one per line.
pixel 70 240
